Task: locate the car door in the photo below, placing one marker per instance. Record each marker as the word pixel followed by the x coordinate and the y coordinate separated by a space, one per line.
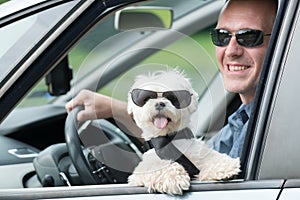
pixel 282 147
pixel 274 151
pixel 245 188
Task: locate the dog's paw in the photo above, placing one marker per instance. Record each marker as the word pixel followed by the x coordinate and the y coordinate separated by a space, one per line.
pixel 171 180
pixel 136 180
pixel 224 170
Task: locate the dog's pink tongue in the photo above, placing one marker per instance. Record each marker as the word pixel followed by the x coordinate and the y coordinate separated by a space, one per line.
pixel 160 122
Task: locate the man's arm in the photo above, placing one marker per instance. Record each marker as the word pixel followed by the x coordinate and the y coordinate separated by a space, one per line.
pixel 98 106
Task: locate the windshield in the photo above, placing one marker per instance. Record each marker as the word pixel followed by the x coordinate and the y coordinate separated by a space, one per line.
pixel 18 38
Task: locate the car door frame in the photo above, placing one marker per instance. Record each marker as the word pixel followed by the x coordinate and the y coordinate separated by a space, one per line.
pixel 97 191
pixel 266 92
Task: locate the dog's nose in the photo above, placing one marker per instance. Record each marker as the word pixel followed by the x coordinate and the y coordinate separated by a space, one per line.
pixel 160 105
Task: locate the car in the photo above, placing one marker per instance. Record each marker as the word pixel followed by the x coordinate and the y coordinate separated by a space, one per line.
pixel 52 49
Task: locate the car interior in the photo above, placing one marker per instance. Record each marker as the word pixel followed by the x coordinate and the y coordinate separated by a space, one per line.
pixel 41 142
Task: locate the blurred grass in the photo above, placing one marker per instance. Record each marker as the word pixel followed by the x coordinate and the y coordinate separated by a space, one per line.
pixel 200 66
pixel 3 1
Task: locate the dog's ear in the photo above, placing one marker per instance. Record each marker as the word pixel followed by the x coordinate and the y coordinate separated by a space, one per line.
pixel 194 103
pixel 130 105
pixel 129 108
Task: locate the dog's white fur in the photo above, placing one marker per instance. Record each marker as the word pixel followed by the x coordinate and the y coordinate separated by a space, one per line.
pixel 166 176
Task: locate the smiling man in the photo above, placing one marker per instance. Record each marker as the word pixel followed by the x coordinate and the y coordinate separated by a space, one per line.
pixel 241 38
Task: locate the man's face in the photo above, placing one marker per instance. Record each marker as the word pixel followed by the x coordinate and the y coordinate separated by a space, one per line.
pixel 241 66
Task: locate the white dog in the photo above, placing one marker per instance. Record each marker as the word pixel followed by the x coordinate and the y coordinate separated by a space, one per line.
pixel 161 105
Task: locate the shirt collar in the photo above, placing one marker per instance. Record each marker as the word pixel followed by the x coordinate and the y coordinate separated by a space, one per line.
pixel 247 108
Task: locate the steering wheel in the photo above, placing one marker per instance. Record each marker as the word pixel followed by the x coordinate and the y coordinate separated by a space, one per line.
pixel 99 161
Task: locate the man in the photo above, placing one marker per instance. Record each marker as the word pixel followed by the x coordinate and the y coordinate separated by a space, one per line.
pixel 240 60
pixel 241 38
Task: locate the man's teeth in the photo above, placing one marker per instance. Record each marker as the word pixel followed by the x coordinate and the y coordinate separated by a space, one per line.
pixel 237 68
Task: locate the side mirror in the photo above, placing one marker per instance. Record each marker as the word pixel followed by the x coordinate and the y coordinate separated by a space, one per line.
pixel 58 80
pixel 152 18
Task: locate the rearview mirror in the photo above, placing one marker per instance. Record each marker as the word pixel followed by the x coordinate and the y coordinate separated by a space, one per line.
pixel 58 80
pixel 149 17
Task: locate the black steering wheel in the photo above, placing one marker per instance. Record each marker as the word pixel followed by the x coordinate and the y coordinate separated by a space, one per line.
pixel 98 158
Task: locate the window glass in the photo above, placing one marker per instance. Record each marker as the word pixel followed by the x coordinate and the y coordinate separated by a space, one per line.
pixel 193 54
pixel 104 43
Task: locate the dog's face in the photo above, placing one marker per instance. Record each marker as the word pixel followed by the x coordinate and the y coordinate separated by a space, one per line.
pixel 162 103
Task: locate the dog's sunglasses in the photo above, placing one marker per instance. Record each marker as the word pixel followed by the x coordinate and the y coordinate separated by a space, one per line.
pixel 179 98
pixel 244 37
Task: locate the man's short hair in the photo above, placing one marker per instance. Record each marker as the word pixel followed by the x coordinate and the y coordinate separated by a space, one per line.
pixel 274 1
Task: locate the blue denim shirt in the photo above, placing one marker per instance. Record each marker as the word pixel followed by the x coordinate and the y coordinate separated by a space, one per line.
pixel 230 139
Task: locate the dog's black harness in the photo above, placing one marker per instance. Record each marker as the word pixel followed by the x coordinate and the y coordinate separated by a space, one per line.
pixel 166 150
